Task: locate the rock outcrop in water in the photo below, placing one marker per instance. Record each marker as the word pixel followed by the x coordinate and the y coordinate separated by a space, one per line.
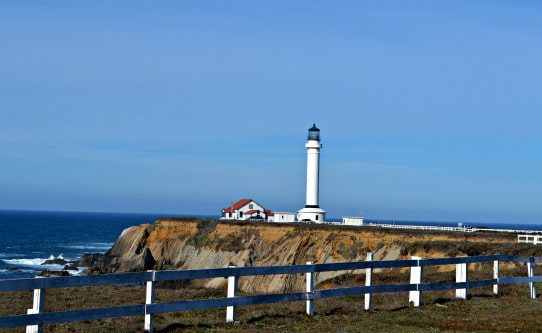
pixel 190 244
pixel 55 261
pixel 49 273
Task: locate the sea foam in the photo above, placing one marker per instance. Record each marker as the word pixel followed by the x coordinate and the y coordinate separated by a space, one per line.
pixel 89 246
pixel 33 261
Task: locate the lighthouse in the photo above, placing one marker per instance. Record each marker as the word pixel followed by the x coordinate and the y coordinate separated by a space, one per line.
pixel 312 211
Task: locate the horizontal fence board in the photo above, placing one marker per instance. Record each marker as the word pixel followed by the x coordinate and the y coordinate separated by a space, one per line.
pixel 458 260
pixel 456 285
pixel 68 316
pixel 192 274
pixel 75 281
pixel 270 270
pixel 520 259
pixel 519 280
pixel 224 302
pixel 264 299
pixel 374 289
pixel 393 263
pixel 341 266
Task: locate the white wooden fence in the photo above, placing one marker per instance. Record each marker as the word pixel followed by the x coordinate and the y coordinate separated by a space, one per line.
pixel 530 239
pixel 419 227
pixel 36 317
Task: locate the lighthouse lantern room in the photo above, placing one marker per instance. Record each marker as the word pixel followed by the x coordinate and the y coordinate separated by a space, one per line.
pixel 312 211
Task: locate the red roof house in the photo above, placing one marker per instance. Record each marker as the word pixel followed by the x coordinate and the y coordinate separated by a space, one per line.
pixel 246 209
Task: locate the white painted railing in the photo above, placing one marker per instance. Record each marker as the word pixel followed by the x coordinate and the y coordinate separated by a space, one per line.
pixel 435 228
pixel 36 317
pixel 419 227
pixel 530 239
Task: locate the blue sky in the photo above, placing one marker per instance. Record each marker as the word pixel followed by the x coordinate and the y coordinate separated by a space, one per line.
pixel 429 110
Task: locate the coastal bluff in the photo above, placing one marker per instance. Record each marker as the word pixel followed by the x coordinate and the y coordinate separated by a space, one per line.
pixel 171 243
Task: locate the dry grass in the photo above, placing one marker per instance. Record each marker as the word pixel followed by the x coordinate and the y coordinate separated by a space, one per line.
pixel 512 311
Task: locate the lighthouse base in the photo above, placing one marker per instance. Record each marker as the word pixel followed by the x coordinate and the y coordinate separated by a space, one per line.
pixel 309 214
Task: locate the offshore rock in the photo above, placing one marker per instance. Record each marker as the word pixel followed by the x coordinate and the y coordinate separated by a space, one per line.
pixel 70 267
pixel 48 273
pixel 55 261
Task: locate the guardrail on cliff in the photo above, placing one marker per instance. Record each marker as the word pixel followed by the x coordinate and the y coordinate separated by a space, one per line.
pixel 420 227
pixel 36 317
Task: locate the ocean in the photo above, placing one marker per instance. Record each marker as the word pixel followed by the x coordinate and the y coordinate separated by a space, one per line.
pixel 28 238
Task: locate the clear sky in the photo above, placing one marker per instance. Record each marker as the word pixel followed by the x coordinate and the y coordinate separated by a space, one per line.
pixel 429 110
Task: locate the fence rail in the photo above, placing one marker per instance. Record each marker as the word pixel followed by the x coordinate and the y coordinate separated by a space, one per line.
pixel 36 317
pixel 530 239
pixel 419 227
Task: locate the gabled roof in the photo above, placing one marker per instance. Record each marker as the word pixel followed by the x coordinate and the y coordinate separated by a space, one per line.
pixel 236 205
pixel 267 212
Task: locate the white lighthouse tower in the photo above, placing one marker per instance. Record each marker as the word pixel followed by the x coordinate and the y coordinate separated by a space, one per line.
pixel 312 211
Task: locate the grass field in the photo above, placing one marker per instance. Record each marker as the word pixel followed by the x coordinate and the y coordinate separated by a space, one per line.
pixel 511 311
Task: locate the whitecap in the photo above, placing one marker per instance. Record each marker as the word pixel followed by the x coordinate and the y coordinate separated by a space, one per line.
pixel 36 262
pixel 10 255
pixel 90 246
pixel 25 261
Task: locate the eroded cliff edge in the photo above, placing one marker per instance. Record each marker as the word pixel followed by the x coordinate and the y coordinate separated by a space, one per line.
pixel 192 243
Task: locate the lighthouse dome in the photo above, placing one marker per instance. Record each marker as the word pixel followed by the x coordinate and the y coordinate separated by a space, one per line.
pixel 314 133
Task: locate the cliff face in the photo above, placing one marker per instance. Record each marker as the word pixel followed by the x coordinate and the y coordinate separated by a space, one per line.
pixel 190 244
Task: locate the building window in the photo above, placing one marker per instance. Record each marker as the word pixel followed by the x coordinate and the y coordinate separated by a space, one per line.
pixel 240 214
pixel 251 206
pixel 316 217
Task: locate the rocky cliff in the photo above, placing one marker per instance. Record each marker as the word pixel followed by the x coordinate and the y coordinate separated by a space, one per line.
pixel 190 243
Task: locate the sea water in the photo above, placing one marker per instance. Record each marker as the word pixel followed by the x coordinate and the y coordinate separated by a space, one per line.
pixel 28 238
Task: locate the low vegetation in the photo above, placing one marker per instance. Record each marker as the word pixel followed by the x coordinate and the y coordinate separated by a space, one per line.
pixel 511 311
pixel 454 249
pixel 205 227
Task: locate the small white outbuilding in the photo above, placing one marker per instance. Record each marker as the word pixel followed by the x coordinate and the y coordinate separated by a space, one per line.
pixel 284 217
pixel 353 220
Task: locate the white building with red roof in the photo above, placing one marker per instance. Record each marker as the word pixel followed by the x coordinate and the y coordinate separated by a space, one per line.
pixel 246 209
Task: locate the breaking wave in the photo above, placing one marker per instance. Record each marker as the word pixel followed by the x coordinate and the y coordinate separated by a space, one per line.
pixel 97 246
pixel 32 261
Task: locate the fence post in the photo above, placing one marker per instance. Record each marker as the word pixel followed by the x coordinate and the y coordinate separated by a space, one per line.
pixel 414 296
pixel 38 306
pixel 368 278
pixel 150 298
pixel 530 271
pixel 461 276
pixel 309 281
pixel 233 283
pixel 496 276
